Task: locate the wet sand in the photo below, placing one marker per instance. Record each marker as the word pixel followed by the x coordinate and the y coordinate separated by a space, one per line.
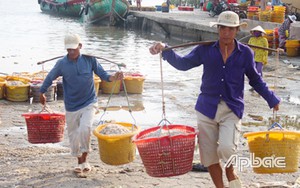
pixel 50 165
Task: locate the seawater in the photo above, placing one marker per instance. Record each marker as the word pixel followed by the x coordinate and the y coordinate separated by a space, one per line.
pixel 28 36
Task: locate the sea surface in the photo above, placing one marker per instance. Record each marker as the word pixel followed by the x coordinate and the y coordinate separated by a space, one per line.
pixel 28 36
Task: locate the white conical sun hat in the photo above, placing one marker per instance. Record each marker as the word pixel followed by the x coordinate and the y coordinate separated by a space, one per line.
pixel 258 28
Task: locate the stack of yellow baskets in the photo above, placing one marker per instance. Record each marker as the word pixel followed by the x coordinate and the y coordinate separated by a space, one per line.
pixel 278 150
pixel 17 88
pixel 278 14
pixel 265 16
pixel 269 37
pixel 253 13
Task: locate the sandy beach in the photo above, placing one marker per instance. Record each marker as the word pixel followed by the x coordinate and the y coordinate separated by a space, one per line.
pixel 50 165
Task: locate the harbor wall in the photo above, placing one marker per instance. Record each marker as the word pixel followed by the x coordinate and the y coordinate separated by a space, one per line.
pixel 193 26
pixel 177 29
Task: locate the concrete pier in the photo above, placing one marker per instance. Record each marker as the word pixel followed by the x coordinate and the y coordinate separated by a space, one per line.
pixel 179 25
pixel 188 25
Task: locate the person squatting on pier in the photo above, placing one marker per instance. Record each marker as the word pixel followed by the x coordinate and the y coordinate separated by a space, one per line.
pixel 284 30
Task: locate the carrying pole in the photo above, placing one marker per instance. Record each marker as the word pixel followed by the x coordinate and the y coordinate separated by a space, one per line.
pixel 211 42
pixel 119 64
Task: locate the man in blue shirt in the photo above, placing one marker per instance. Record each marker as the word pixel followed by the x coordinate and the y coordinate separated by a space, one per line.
pixel 220 104
pixel 80 97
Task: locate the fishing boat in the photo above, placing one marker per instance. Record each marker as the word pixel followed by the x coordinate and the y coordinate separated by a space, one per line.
pixel 108 12
pixel 70 8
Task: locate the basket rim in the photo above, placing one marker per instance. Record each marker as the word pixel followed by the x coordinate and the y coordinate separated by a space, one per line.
pixel 43 114
pixel 101 126
pixel 270 132
pixel 137 139
pixel 135 78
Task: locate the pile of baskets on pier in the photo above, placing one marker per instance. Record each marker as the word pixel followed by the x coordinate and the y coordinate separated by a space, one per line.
pixel 270 14
pixel 20 87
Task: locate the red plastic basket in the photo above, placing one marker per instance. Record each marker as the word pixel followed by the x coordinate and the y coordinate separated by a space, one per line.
pixel 167 155
pixel 45 127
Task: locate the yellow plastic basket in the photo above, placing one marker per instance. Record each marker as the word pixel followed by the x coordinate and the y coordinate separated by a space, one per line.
pixel 292 51
pixel 2 86
pixel 97 82
pixel 17 93
pixel 134 84
pixel 275 144
pixel 292 43
pixel 116 149
pixel 107 87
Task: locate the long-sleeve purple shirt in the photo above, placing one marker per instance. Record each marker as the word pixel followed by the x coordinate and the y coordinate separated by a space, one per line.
pixel 222 81
pixel 78 80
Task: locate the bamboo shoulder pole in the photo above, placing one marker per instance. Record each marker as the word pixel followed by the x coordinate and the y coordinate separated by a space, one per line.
pixel 211 42
pixel 42 62
pixel 190 44
pixel 119 64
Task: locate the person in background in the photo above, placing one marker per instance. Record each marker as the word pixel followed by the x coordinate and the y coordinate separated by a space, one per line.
pixel 260 55
pixel 130 2
pixel 201 4
pixel 263 5
pixel 209 6
pixel 276 3
pixel 220 104
pixel 284 29
pixel 138 5
pixel 80 98
pixel 216 2
pixel 168 2
pixel 231 1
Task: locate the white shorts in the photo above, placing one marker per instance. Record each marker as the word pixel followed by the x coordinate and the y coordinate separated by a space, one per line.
pixel 218 138
pixel 79 125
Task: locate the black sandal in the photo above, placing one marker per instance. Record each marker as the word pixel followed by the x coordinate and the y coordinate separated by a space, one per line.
pixel 198 167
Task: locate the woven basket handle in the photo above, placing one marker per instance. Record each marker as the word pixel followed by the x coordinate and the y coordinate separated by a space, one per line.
pixel 164 123
pixel 46 109
pixel 274 125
